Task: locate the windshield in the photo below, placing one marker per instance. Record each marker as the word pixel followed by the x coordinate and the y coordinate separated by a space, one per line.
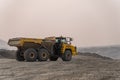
pixel 61 40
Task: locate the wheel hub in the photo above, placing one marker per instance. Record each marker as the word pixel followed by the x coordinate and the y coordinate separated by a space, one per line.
pixel 68 56
pixel 44 55
pixel 32 55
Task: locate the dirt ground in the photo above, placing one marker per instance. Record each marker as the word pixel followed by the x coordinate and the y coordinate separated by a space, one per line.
pixel 80 68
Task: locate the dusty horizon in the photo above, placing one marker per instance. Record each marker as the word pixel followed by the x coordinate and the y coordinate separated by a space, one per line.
pixel 89 22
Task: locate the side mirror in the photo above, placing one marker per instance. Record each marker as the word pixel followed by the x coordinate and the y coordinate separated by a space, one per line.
pixel 71 39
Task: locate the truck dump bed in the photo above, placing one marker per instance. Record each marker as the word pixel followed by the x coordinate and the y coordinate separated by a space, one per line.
pixel 20 41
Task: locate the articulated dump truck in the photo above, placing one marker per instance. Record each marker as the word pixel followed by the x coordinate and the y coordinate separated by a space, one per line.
pixel 52 48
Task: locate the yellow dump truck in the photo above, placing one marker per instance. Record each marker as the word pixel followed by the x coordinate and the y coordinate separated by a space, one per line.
pixel 31 49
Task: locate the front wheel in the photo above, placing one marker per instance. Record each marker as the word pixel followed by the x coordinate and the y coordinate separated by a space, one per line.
pixel 67 56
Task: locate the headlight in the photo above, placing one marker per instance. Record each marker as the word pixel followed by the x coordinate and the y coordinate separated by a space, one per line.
pixel 14 43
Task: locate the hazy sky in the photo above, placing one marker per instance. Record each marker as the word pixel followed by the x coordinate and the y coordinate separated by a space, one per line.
pixel 89 22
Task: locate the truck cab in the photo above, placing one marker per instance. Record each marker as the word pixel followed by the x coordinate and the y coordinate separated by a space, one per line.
pixel 63 45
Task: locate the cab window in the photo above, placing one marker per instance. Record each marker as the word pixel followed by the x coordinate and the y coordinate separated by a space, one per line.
pixel 58 40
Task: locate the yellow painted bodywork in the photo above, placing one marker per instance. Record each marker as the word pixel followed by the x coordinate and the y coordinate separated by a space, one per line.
pixel 21 41
pixel 37 41
pixel 68 47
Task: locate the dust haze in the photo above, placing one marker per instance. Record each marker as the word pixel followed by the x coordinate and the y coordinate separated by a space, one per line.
pixel 89 22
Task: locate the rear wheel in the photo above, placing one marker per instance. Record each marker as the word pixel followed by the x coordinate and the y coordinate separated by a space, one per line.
pixel 30 54
pixel 67 56
pixel 43 55
pixel 52 58
pixel 19 57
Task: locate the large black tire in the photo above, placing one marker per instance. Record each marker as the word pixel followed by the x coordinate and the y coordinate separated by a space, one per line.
pixel 67 56
pixel 18 56
pixel 52 58
pixel 43 55
pixel 30 55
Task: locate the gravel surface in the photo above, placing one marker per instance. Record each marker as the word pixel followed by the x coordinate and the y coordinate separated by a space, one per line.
pixel 80 68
